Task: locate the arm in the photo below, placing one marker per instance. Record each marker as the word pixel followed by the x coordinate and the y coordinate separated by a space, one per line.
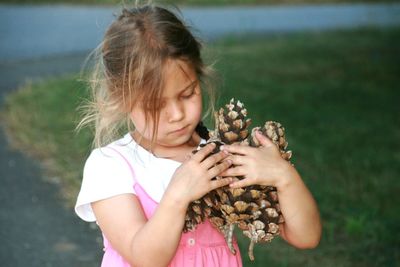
pixel 265 166
pixel 137 240
pixel 302 227
pixel 154 242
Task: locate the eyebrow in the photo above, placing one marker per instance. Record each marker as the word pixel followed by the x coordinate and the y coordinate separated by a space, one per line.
pixel 189 86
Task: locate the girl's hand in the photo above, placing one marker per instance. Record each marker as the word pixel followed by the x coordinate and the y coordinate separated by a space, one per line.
pixel 259 165
pixel 192 179
pixel 265 166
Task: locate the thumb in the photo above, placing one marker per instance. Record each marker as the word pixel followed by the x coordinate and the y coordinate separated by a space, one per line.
pixel 264 141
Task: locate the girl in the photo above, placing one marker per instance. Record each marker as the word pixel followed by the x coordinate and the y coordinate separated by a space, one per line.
pixel 138 187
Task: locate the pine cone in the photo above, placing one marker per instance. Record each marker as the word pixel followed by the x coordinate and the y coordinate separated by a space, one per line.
pixel 232 123
pixel 254 209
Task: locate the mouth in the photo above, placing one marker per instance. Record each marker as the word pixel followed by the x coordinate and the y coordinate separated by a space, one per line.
pixel 180 129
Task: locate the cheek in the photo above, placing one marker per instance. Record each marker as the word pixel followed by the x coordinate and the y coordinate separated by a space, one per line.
pixel 138 120
pixel 194 109
pixel 197 108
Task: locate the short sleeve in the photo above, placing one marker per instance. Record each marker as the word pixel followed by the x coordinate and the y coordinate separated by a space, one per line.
pixel 105 175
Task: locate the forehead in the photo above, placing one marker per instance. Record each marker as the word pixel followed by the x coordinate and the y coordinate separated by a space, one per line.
pixel 178 75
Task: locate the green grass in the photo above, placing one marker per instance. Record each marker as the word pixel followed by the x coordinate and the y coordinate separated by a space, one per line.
pixel 194 2
pixel 41 118
pixel 336 93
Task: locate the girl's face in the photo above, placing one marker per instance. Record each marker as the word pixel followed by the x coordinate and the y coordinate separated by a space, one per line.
pixel 181 106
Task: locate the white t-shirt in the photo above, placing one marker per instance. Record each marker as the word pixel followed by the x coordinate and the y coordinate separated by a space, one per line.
pixel 106 174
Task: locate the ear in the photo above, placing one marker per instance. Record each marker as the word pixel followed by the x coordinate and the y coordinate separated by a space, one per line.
pixel 264 141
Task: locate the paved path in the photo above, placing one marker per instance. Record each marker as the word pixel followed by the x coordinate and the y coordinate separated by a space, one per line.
pixel 35 228
pixel 39 41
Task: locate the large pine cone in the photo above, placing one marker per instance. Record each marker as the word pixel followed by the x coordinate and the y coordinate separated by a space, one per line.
pixel 254 209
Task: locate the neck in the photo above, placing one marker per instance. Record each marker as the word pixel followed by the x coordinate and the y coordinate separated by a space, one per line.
pixel 177 153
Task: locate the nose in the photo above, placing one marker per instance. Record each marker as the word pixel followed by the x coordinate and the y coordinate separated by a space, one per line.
pixel 175 111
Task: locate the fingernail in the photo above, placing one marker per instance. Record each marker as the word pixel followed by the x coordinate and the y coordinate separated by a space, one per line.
pixel 222 147
pixel 229 161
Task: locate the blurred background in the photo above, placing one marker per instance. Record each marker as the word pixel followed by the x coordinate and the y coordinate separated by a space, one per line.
pixel 329 71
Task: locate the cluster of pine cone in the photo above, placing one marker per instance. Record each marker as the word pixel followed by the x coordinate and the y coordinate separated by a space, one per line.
pixel 254 209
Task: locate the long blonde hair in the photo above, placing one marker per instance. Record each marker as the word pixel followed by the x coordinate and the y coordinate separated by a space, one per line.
pixel 129 68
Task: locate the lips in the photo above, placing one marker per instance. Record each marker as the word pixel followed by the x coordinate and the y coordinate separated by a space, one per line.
pixel 180 129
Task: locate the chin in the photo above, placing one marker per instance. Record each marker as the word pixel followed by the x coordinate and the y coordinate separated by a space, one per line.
pixel 177 141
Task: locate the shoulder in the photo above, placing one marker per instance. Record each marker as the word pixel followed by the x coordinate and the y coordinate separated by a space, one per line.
pixel 103 159
pixel 106 174
pixel 110 158
pixel 101 163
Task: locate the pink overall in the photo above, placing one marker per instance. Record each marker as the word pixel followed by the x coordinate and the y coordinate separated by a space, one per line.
pixel 203 247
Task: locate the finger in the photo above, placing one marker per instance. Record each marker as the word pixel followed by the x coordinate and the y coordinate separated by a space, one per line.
pixel 220 182
pixel 263 140
pixel 235 171
pixel 238 159
pixel 241 183
pixel 236 149
pixel 214 159
pixel 215 171
pixel 203 152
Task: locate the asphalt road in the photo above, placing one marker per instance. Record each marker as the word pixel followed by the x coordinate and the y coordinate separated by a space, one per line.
pixel 36 229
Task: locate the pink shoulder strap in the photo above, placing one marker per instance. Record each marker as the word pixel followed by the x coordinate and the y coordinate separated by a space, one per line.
pixel 148 203
pixel 127 162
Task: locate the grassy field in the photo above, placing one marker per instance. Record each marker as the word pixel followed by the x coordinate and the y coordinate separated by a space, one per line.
pixel 337 94
pixel 195 2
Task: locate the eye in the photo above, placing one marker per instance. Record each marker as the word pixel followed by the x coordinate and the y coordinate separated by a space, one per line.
pixel 189 94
